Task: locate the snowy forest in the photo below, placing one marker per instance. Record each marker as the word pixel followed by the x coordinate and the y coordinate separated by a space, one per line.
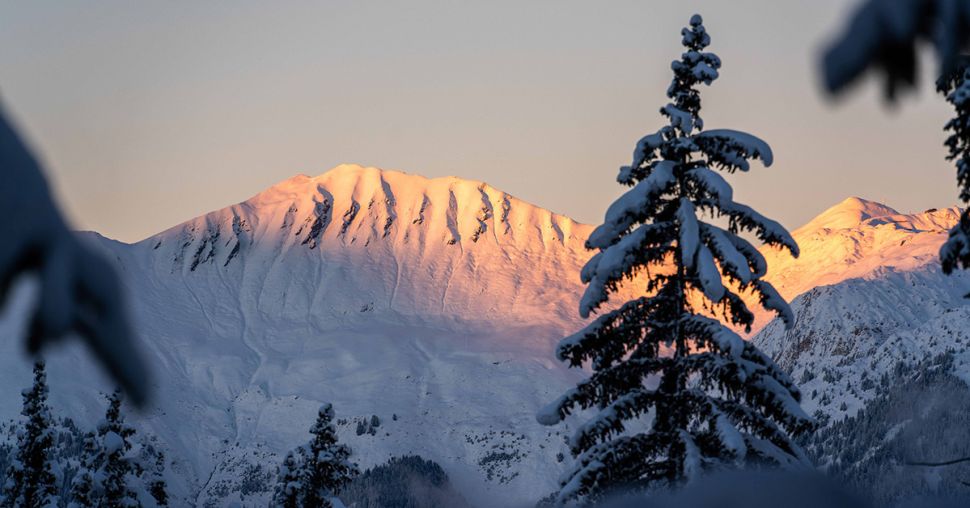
pixel 371 338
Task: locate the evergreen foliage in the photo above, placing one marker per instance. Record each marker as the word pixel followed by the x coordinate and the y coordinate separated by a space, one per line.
pixel 30 481
pixel 920 414
pixel 115 466
pixel 109 473
pixel 955 86
pixel 403 482
pixel 326 467
pixel 84 488
pixel 156 480
pixel 287 493
pixel 323 467
pixel 716 401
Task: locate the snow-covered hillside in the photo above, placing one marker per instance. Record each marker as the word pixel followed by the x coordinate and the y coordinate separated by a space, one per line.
pixel 857 239
pixel 871 294
pixel 435 305
pixel 880 346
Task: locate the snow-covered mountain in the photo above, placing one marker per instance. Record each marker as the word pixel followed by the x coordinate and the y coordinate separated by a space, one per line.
pixel 867 289
pixel 857 239
pixel 880 349
pixel 435 305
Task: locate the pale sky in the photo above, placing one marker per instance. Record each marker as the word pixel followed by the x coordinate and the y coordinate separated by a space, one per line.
pixel 149 114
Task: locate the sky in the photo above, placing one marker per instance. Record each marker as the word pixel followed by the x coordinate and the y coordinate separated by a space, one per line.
pixel 149 114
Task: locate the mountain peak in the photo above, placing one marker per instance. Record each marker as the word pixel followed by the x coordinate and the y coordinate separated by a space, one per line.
pixel 849 213
pixel 358 207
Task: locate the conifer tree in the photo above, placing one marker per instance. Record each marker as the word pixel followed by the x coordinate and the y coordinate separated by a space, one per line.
pixel 676 392
pixel 84 487
pixel 30 481
pixel 955 86
pixel 315 472
pixel 115 465
pixel 156 483
pixel 327 466
pixel 288 483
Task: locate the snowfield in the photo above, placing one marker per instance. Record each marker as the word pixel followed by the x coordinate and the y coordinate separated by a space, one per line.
pixel 436 304
pixel 433 304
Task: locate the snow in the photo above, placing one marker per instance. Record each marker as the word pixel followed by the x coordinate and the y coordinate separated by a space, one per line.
pixel 248 348
pixel 742 143
pixel 773 301
pixel 709 275
pixel 850 213
pixel 689 232
pixel 623 212
pixel 856 238
pixel 726 340
pixel 612 265
pixel 767 449
pixel 732 261
pixel 683 120
pixel 704 72
pixel 730 437
pixel 647 145
pixel 714 183
pixel 248 351
pixel 956 248
pixel 611 417
pixel 112 443
pixel 781 396
pixel 765 227
pixel 692 457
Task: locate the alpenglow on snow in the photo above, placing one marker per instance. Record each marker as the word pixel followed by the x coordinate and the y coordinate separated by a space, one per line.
pixel 715 400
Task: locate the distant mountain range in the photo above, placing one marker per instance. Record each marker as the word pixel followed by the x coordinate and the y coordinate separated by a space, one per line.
pixel 435 304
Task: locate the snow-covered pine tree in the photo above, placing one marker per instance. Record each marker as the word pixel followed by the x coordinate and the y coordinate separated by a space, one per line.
pixel 156 480
pixel 115 465
pixel 30 481
pixel 326 466
pixel 288 483
pixel 676 392
pixel 955 86
pixel 84 488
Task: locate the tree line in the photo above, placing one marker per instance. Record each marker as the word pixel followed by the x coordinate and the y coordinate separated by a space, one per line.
pixel 55 463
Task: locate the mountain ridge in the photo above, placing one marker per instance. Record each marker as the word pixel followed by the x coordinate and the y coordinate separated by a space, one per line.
pixel 435 301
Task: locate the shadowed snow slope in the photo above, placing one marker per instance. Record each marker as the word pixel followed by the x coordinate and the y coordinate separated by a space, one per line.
pixel 434 304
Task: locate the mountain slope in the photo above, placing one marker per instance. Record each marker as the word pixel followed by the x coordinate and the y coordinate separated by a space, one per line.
pixel 856 239
pixel 433 304
pixel 880 349
pixel 418 246
pixel 866 290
